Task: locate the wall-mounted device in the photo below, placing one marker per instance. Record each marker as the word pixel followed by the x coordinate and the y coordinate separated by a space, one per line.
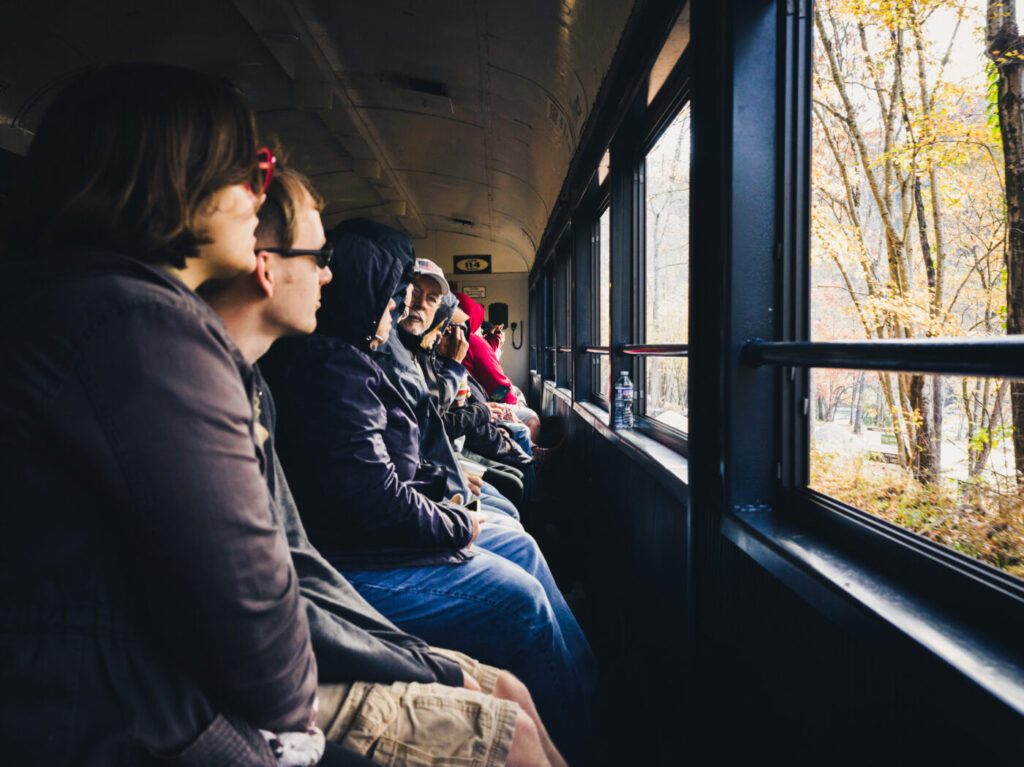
pixel 497 313
pixel 512 329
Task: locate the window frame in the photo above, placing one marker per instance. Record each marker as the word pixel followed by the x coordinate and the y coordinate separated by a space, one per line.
pixel 564 321
pixel 802 536
pixel 601 205
pixel 673 97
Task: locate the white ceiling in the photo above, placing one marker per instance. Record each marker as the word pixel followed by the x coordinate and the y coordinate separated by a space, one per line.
pixel 452 119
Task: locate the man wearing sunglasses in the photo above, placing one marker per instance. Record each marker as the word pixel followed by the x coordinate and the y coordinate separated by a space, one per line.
pixel 462 707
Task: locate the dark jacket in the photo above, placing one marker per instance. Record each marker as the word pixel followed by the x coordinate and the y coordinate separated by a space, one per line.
pixel 397 361
pixel 347 440
pixel 144 587
pixel 352 641
pixel 473 420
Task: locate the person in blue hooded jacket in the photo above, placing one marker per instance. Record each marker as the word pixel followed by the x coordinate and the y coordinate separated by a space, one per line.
pixel 349 444
pixel 401 368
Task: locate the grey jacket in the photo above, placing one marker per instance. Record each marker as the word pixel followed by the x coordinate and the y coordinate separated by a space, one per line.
pixel 404 372
pixel 148 605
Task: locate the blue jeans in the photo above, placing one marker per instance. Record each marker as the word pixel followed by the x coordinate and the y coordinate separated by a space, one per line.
pixel 503 608
pixel 491 499
pixel 521 434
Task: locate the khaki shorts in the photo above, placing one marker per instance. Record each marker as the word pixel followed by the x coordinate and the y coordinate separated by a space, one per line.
pixel 420 725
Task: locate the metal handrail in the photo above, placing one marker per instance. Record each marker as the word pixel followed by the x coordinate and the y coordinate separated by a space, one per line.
pixel 655 350
pixel 991 357
pixel 641 350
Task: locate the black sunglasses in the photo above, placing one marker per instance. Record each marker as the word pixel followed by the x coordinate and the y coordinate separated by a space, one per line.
pixel 323 255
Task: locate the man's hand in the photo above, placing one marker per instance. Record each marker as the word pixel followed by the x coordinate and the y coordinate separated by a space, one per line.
pixel 454 345
pixel 470 683
pixel 502 412
pixel 476 484
pixel 478 519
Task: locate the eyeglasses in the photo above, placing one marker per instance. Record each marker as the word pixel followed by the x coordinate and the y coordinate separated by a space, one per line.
pixel 263 173
pixel 323 255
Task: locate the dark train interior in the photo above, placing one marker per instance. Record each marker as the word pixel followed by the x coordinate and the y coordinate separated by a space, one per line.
pixel 735 614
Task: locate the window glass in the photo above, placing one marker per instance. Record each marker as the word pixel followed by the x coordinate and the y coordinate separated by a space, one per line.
pixel 908 240
pixel 605 167
pixel 604 281
pixel 955 486
pixel 667 267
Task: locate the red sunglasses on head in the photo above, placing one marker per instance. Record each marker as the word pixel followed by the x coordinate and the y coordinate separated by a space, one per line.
pixel 263 173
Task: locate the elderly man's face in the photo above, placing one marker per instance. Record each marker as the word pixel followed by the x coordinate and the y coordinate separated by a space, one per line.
pixel 424 299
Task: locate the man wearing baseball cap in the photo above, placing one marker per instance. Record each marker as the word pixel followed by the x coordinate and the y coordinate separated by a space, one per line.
pixel 428 286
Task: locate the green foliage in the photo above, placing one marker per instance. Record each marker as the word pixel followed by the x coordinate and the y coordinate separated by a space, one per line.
pixel 992 102
pixel 985 437
pixel 973 518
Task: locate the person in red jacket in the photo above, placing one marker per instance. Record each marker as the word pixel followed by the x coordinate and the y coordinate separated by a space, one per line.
pixel 482 362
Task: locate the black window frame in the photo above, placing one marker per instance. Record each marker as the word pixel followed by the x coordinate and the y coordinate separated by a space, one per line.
pixel 600 205
pixel 563 292
pixel 796 533
pixel 654 120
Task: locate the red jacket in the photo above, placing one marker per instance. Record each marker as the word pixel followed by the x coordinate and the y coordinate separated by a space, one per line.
pixel 480 360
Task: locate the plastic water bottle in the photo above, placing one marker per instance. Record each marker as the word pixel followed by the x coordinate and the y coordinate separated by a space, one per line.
pixel 624 402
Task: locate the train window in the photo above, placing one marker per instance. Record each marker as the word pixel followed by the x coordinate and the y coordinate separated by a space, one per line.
pixel 548 345
pixel 908 230
pixel 605 166
pixel 671 51
pixel 955 487
pixel 602 308
pixel 561 292
pixel 667 270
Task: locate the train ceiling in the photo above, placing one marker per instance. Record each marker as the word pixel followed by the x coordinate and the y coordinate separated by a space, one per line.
pixel 454 120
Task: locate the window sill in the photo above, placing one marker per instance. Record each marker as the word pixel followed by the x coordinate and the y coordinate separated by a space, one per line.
pixel 838 579
pixel 877 596
pixel 669 466
pixel 556 389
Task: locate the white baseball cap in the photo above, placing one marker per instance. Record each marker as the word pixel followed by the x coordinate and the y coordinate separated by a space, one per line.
pixel 427 268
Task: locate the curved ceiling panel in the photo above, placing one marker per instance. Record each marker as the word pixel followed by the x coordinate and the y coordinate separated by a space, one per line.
pixel 422 114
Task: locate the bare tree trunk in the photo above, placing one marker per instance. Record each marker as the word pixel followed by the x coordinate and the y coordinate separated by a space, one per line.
pixel 1004 46
pixel 923 448
pixel 894 406
pixel 858 415
pixel 879 419
pixel 977 459
pixel 937 400
pixel 928 448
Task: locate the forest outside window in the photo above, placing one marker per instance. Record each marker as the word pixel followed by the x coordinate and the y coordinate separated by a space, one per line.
pixel 910 239
pixel 667 271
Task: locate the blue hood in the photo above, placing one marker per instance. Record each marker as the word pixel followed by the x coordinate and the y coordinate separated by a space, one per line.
pixel 390 240
pixel 365 279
